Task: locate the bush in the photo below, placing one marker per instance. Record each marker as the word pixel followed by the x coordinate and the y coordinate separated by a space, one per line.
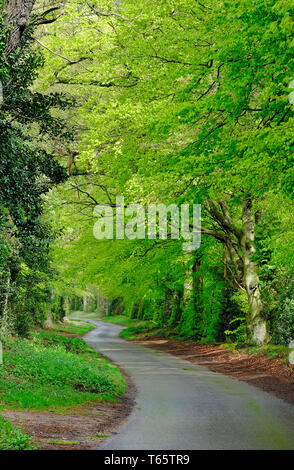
pixel 55 373
pixel 283 328
pixel 132 331
pixel 12 438
pixel 237 332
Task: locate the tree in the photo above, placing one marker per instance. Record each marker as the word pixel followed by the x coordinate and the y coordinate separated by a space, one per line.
pixel 28 170
pixel 17 14
pixel 174 109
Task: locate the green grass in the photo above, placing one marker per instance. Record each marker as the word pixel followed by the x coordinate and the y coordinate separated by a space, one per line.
pixel 54 372
pixel 76 345
pixel 231 347
pixel 134 326
pixel 126 321
pixel 150 331
pixel 80 314
pixel 12 438
pixel 270 350
pixel 74 327
pixel 138 332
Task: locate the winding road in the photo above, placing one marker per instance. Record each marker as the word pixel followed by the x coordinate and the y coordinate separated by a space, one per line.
pixel 183 406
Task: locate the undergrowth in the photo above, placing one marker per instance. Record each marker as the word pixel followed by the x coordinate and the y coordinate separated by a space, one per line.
pixel 52 371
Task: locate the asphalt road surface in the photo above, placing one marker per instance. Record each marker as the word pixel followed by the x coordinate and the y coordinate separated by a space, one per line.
pixel 183 406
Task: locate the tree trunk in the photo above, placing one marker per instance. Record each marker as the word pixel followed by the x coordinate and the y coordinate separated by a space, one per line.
pixel 197 296
pixel 193 285
pixel 141 309
pixel 105 306
pixel 98 302
pixel 17 16
pixel 167 309
pixel 197 284
pixel 257 331
pixel 188 281
pixel 5 313
pixel 85 303
pixel 240 270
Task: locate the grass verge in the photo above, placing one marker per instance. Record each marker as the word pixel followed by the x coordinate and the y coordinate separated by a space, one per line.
pixel 53 370
pixel 271 350
pixel 134 326
pixel 73 327
pixel 81 314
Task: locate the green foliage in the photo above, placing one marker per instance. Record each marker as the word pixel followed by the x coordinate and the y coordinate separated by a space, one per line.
pixel 275 352
pixel 189 327
pixel 125 321
pixel 271 351
pixel 55 372
pixel 132 331
pixel 12 438
pixel 283 329
pixel 75 328
pixel 74 345
pixel 28 170
pixel 232 306
pixel 177 103
pixel 57 308
pixel 116 307
pixel 237 331
pixel 58 367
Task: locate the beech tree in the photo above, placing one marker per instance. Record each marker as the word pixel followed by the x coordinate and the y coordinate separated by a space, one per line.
pixel 16 14
pixel 200 115
pixel 178 102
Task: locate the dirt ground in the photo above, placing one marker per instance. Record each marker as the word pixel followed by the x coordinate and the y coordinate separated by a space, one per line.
pixel 85 429
pixel 271 375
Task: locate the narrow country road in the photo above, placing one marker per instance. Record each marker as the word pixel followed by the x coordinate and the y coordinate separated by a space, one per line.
pixel 181 406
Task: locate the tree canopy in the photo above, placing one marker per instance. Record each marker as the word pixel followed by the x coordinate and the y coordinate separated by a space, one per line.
pixel 160 102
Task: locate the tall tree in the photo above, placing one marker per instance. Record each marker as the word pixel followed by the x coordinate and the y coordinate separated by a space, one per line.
pixel 174 109
pixel 17 13
pixel 27 172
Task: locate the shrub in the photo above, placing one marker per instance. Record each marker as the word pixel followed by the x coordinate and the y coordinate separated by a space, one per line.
pixel 12 438
pixel 283 328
